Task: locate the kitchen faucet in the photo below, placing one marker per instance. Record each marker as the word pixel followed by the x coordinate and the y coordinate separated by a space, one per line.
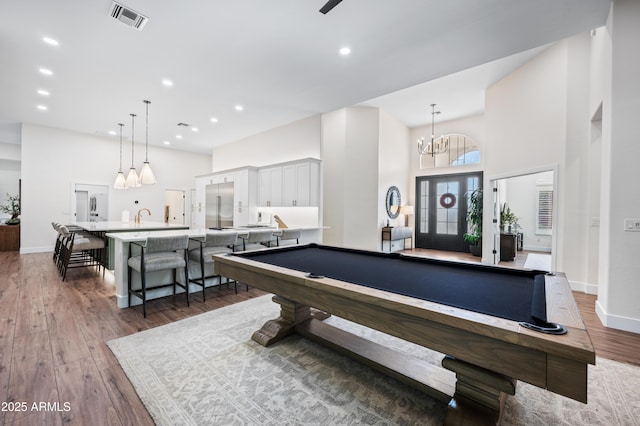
pixel 137 218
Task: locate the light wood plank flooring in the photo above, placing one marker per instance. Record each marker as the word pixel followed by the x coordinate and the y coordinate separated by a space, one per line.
pixel 53 342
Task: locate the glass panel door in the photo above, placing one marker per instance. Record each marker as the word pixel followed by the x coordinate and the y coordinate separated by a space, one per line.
pixel 442 210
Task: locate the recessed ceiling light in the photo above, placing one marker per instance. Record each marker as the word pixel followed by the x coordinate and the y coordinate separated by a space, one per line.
pixel 50 41
pixel 239 107
pixel 167 83
pixel 46 71
pixel 111 132
pixel 178 136
pixel 167 143
pixel 194 129
pixel 43 92
pixel 42 107
pixel 213 119
pixel 345 51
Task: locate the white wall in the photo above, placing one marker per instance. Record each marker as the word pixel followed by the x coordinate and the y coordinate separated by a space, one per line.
pixel 364 152
pixel 350 144
pixel 334 174
pixel 54 159
pixel 9 151
pixel 526 129
pixel 361 178
pixel 577 149
pixel 619 293
pixel 394 146
pixel 294 141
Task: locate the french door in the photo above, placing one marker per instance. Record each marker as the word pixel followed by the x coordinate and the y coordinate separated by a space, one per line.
pixel 441 204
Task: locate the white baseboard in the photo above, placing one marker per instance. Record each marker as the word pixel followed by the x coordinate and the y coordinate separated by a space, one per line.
pixel 584 287
pixel 31 250
pixel 618 322
pixel 542 249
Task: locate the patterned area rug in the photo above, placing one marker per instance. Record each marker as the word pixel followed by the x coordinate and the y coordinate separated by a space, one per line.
pixel 206 370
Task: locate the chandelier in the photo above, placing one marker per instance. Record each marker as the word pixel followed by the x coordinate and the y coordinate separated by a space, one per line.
pixel 436 145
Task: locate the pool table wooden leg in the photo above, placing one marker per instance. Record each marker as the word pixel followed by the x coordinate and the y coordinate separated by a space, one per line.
pixel 480 394
pixel 291 313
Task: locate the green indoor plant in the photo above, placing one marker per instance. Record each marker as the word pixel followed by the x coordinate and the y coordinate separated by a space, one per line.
pixel 474 223
pixel 507 218
pixel 13 208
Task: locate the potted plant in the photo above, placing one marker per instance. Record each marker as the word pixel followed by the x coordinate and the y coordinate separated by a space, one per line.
pixel 507 218
pixel 474 223
pixel 13 208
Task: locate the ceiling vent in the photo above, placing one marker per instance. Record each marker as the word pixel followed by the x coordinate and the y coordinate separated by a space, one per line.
pixel 127 16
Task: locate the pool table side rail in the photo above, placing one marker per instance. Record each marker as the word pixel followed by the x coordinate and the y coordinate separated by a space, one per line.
pixel 563 309
pixel 496 344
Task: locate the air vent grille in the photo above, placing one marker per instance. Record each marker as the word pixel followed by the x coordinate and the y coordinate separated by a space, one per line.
pixel 127 16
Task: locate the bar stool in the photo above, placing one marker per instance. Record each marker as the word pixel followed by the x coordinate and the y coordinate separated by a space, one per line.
pixel 257 239
pixel 158 254
pixel 288 237
pixel 211 244
pixel 77 250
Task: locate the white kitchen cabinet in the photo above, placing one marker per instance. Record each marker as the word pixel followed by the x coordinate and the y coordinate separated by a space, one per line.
pixel 270 187
pixel 301 184
pixel 245 196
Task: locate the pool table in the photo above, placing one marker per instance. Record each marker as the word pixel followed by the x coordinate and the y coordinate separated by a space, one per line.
pixel 472 313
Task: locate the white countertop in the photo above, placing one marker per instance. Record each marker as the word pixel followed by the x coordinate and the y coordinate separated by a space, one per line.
pixel 115 226
pixel 193 233
pixel 142 235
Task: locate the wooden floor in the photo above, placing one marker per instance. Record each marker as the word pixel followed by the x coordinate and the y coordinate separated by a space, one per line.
pixel 53 342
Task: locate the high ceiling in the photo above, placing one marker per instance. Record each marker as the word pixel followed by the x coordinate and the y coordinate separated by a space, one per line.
pixel 278 58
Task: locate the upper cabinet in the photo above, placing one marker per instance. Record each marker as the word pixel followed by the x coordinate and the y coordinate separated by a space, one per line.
pixel 244 196
pixel 301 184
pixel 291 184
pixel 270 187
pixel 295 184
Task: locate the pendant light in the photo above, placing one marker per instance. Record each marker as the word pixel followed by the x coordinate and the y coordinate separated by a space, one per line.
pixel 146 174
pixel 132 177
pixel 120 180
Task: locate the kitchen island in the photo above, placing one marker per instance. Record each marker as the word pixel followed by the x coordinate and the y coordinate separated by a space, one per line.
pixel 100 229
pixel 120 243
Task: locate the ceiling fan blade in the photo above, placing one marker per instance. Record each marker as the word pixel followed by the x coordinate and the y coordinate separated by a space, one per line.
pixel 329 5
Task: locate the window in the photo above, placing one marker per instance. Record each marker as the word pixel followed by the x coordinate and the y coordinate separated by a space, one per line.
pixel 471 157
pixel 544 210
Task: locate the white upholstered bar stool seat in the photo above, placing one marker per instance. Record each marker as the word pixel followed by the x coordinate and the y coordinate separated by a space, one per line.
pixel 158 254
pixel 258 239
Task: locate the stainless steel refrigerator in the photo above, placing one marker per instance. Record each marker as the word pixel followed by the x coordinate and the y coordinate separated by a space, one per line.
pixel 219 206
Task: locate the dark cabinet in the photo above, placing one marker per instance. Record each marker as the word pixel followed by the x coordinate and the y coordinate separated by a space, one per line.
pixel 508 244
pixel 9 237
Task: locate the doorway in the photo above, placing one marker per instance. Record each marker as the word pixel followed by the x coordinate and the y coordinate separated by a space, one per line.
pixel 441 210
pixel 174 206
pixel 525 216
pixel 90 203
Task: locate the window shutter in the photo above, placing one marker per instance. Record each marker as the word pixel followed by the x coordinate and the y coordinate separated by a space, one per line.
pixel 544 220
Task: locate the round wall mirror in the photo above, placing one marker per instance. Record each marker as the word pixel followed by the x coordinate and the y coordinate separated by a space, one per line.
pixel 393 202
